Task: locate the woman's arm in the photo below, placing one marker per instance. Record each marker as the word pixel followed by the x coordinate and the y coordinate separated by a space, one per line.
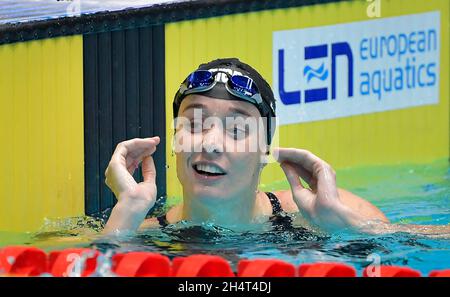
pixel 322 203
pixel 436 231
pixel 357 204
pixel 366 209
pixel 134 199
pixel 375 221
pixel 378 223
pixel 332 209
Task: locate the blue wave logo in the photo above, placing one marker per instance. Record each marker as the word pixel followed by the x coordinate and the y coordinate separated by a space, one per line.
pixel 320 73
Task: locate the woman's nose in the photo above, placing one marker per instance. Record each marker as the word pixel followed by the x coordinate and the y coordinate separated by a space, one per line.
pixel 213 140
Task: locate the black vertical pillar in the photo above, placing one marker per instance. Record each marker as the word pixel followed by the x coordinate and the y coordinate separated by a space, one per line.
pixel 105 116
pixel 124 98
pixel 159 109
pixel 91 131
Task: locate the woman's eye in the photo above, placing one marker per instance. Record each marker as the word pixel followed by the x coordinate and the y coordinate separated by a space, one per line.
pixel 238 132
pixel 196 126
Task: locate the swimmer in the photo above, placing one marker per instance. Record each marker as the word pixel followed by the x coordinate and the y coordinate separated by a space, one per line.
pixel 220 182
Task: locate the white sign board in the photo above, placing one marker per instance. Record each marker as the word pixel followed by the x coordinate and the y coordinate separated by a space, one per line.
pixel 356 68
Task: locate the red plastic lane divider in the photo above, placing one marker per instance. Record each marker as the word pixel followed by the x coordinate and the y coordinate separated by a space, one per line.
pixel 141 264
pixel 391 271
pixel 440 273
pixel 326 270
pixel 202 266
pixel 22 261
pixel 63 263
pixel 265 268
pixel 31 261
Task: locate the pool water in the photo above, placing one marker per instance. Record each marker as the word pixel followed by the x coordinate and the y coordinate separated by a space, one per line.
pixel 412 194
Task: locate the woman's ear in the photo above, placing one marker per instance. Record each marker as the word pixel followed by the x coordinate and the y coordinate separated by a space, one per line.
pixel 265 156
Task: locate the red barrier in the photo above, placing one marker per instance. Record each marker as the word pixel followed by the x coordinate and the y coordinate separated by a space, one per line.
pixel 326 270
pixel 31 261
pixel 265 268
pixel 23 261
pixel 141 264
pixel 440 273
pixel 391 271
pixel 202 266
pixel 65 262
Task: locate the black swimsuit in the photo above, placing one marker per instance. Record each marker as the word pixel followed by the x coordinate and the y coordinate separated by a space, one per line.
pixel 277 219
pixel 276 205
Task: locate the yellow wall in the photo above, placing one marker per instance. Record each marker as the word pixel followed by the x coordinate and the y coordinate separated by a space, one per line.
pixel 41 132
pixel 419 134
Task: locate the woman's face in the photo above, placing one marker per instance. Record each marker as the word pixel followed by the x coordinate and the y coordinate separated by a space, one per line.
pixel 218 147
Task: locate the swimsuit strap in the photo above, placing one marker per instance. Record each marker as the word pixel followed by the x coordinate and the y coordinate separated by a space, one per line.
pixel 279 220
pixel 163 220
pixel 276 205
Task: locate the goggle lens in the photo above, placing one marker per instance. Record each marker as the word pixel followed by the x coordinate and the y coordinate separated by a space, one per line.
pixel 200 78
pixel 243 85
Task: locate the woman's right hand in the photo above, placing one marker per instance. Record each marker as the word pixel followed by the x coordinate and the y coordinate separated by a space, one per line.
pixel 134 199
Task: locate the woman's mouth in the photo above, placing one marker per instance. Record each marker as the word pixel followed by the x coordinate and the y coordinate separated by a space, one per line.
pixel 208 170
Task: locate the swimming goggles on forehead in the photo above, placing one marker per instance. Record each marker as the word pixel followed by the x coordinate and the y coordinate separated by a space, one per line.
pixel 240 86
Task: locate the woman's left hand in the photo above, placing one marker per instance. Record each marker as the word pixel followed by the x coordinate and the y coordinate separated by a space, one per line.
pixel 321 203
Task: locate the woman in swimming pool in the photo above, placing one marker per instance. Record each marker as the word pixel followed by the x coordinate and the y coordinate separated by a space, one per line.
pixel 220 182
